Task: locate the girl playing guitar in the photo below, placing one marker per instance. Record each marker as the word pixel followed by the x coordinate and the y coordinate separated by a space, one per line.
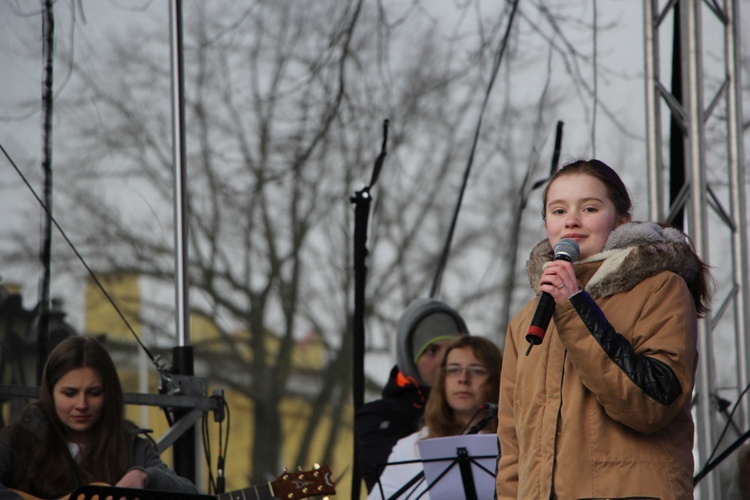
pixel 76 433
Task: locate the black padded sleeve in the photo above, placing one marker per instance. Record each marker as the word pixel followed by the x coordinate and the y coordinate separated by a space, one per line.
pixel 654 377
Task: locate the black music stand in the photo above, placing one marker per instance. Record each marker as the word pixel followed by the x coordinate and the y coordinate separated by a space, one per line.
pixel 453 467
pixel 469 469
pixel 97 492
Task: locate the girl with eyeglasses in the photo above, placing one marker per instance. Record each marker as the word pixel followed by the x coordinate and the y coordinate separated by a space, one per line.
pixel 469 377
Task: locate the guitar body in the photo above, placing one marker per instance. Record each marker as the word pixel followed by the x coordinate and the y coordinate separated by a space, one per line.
pixel 29 496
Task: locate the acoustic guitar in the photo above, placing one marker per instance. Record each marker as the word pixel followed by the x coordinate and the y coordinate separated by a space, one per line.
pixel 289 485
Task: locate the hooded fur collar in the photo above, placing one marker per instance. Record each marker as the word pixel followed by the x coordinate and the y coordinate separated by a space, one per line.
pixel 633 252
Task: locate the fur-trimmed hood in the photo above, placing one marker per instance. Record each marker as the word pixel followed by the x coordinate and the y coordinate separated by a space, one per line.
pixel 633 252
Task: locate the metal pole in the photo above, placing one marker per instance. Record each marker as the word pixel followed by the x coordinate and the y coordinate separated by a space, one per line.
pixel 180 191
pixel 735 158
pixel 184 448
pixel 697 219
pixel 653 115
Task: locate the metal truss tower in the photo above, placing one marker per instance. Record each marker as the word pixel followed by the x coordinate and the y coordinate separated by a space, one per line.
pixel 712 198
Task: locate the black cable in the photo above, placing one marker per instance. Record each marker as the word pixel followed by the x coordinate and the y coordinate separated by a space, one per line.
pixel 724 454
pixel 216 485
pixel 156 360
pixel 723 404
pixel 495 68
pixel 221 463
pixel 206 438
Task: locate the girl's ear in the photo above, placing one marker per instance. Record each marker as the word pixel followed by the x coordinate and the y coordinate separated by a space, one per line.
pixel 624 219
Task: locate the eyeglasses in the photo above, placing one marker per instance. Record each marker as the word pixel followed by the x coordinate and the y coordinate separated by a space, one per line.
pixel 472 371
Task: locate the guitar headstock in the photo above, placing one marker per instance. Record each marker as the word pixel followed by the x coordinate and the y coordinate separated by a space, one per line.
pixel 304 484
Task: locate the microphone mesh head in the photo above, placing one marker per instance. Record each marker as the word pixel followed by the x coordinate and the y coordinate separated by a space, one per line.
pixel 567 247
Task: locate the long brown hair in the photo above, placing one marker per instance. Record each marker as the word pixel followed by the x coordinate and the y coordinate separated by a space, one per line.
pixel 48 460
pixel 439 417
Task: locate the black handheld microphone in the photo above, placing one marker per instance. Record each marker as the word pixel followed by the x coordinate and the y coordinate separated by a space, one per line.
pixel 565 249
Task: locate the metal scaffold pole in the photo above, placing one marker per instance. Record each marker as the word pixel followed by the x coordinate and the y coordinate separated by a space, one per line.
pixel 712 198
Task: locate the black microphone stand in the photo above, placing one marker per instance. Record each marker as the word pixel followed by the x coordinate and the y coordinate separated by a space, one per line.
pixel 418 478
pixel 362 200
pixel 481 424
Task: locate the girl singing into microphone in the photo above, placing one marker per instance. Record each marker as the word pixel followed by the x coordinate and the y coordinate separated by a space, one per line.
pixel 601 408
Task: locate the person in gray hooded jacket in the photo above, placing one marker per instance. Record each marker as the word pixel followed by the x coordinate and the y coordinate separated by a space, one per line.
pixel 423 331
pixel 76 432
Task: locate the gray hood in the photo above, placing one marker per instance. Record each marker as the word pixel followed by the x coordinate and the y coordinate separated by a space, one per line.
pixel 423 320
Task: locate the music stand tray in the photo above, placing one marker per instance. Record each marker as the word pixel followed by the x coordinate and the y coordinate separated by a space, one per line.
pixel 458 467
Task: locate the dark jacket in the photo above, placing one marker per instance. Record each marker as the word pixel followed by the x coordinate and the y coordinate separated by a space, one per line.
pixel 145 457
pixel 381 423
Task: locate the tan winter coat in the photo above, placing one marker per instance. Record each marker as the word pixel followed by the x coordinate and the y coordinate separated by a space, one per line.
pixel 601 409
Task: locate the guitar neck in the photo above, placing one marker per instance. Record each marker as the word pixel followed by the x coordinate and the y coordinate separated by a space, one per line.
pixel 289 486
pixel 260 492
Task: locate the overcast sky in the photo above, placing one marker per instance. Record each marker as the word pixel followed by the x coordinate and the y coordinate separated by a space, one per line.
pixel 619 52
